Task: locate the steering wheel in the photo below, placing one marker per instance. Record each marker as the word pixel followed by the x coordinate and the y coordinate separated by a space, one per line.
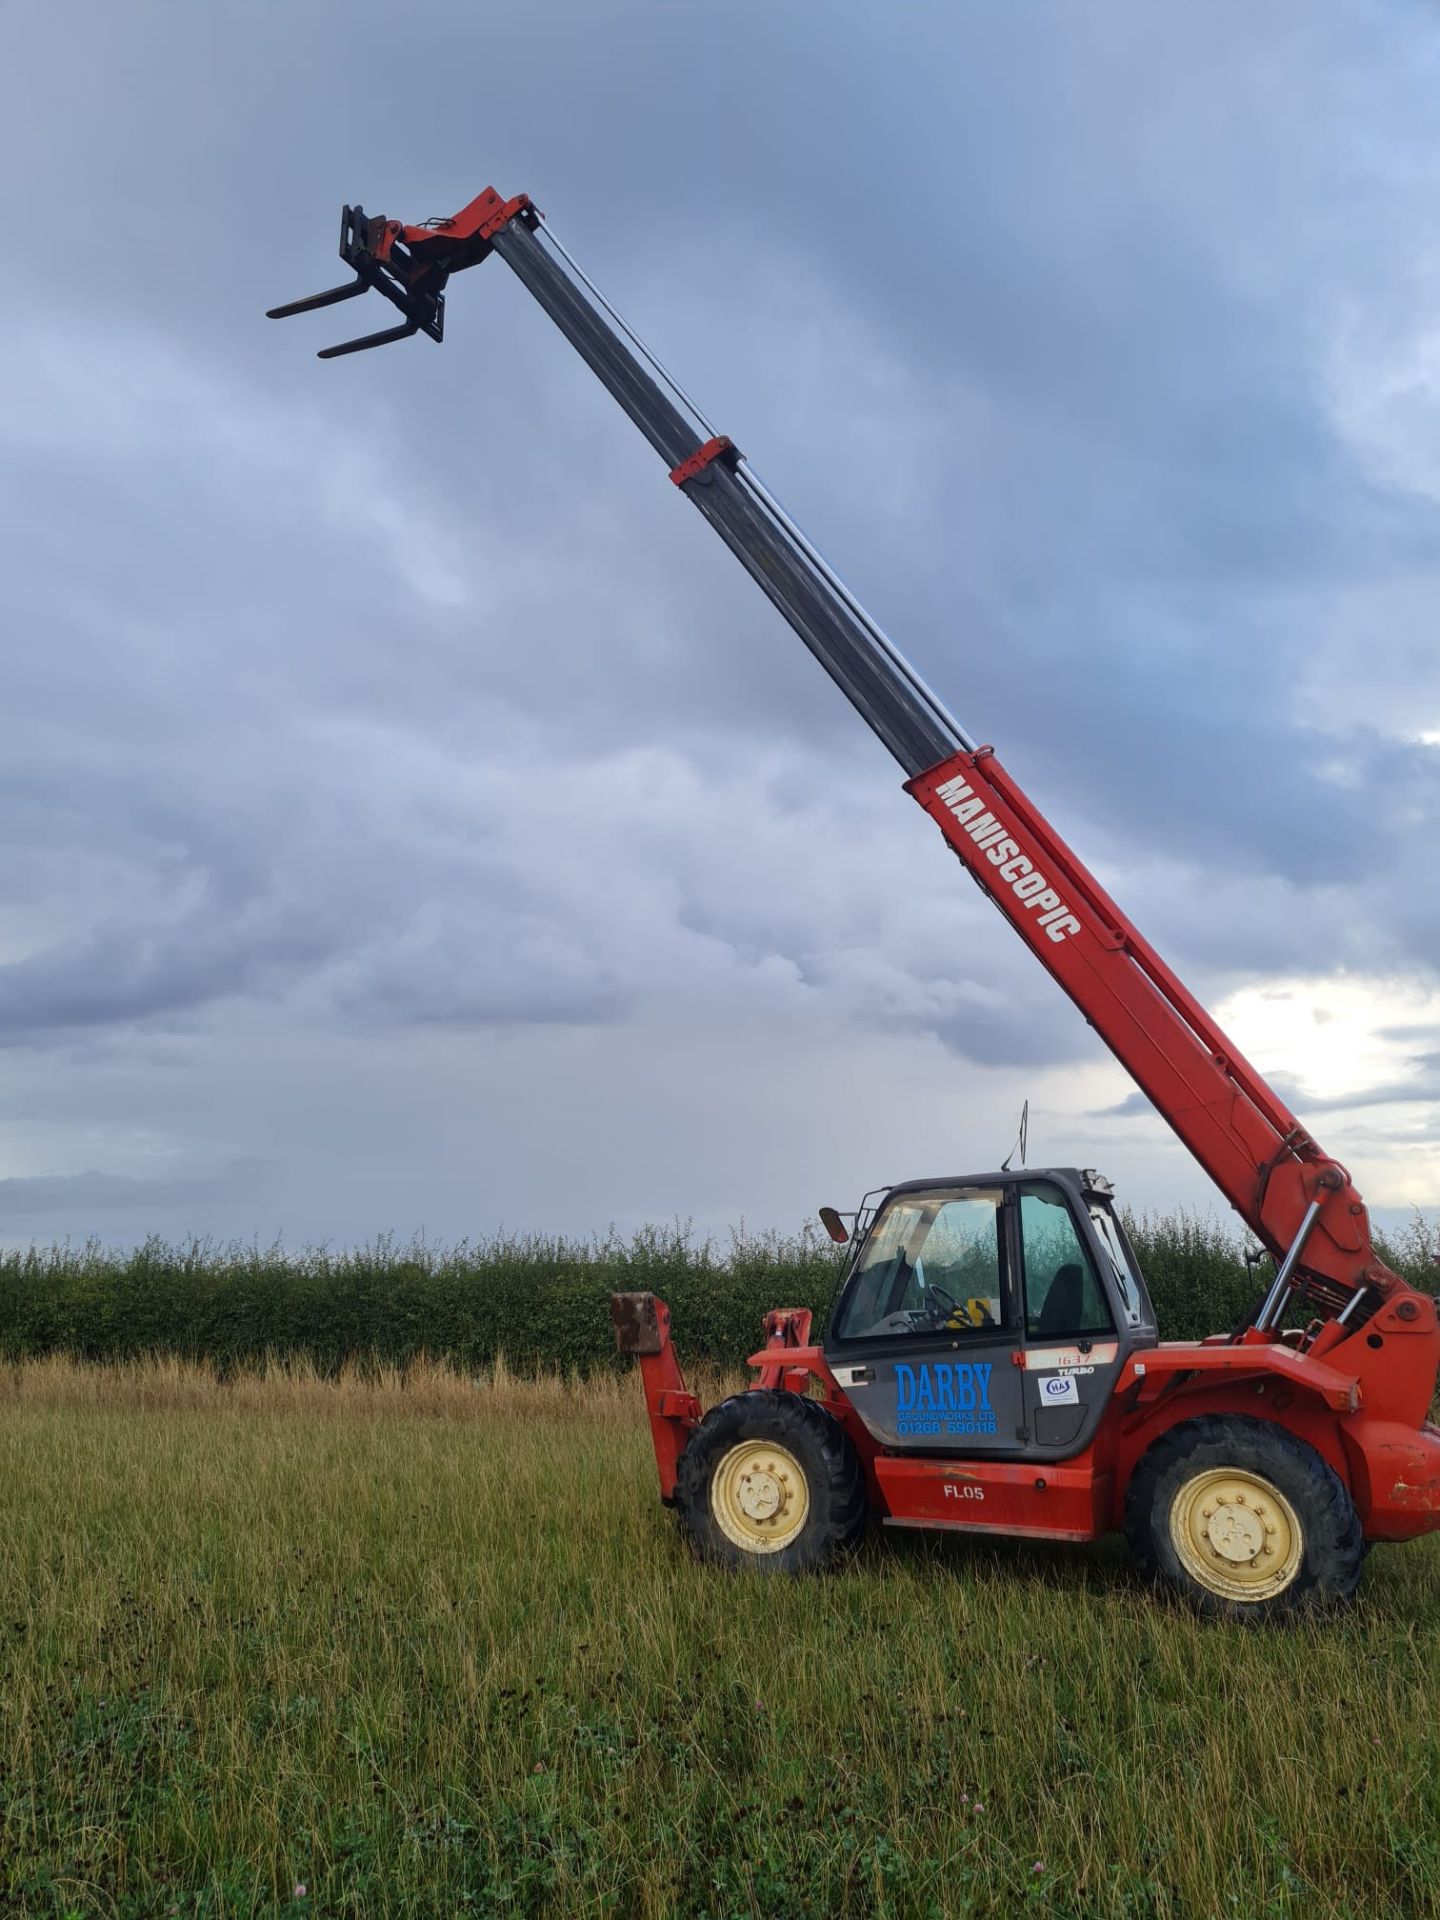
pixel 943 1298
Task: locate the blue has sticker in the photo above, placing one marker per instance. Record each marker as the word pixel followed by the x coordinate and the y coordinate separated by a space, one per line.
pixel 943 1398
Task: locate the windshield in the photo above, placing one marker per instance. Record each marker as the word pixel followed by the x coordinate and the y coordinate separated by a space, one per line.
pixel 1107 1232
pixel 931 1263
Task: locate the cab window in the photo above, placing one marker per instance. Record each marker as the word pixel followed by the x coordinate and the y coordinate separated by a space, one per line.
pixel 1063 1299
pixel 1122 1261
pixel 931 1264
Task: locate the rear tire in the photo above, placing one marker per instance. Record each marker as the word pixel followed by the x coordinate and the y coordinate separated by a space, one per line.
pixel 1243 1519
pixel 770 1480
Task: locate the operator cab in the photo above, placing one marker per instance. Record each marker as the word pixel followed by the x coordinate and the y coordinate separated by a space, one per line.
pixel 989 1314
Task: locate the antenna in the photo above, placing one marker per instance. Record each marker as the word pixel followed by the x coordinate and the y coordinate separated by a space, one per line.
pixel 1022 1140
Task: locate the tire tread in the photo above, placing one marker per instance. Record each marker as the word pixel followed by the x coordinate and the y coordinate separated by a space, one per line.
pixel 1334 1538
pixel 837 1485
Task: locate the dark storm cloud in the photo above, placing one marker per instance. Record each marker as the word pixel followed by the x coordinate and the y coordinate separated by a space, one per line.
pixel 403 695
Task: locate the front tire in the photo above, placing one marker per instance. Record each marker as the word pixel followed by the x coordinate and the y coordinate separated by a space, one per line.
pixel 770 1480
pixel 1243 1519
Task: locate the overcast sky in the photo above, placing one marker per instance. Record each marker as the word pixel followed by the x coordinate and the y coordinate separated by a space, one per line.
pixel 413 819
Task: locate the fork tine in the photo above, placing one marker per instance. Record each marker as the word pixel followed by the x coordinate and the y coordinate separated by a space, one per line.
pixel 370 340
pixel 350 291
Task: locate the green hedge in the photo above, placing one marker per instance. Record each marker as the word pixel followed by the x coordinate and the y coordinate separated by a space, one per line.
pixel 543 1303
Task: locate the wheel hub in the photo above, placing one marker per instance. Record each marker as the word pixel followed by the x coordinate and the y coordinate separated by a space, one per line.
pixel 1236 1534
pixel 759 1496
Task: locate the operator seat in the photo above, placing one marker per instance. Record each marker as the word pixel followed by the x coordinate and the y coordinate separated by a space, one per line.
pixel 1064 1304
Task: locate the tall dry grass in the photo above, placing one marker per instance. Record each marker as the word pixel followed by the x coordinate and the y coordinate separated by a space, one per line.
pixel 287 1387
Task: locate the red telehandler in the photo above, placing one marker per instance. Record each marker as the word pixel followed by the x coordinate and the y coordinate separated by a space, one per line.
pixel 992 1362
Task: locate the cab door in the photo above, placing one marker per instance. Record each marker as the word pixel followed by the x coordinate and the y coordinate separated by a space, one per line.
pixel 1073 1349
pixel 926 1336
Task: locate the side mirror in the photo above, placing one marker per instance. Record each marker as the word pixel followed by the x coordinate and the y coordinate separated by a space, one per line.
pixel 834 1226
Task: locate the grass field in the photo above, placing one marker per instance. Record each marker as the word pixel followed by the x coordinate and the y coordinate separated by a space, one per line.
pixel 283 1646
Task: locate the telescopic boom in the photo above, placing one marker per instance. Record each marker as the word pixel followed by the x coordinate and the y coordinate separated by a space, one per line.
pixel 1298 1201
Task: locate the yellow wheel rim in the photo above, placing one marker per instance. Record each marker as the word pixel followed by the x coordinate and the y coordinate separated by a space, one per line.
pixel 1236 1534
pixel 759 1496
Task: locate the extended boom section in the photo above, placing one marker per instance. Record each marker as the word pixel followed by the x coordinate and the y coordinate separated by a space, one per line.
pixel 1300 1202
pixel 410 266
pixel 1288 1191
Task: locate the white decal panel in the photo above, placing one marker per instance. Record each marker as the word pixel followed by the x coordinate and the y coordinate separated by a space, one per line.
pixel 1058 1390
pixel 1071 1359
